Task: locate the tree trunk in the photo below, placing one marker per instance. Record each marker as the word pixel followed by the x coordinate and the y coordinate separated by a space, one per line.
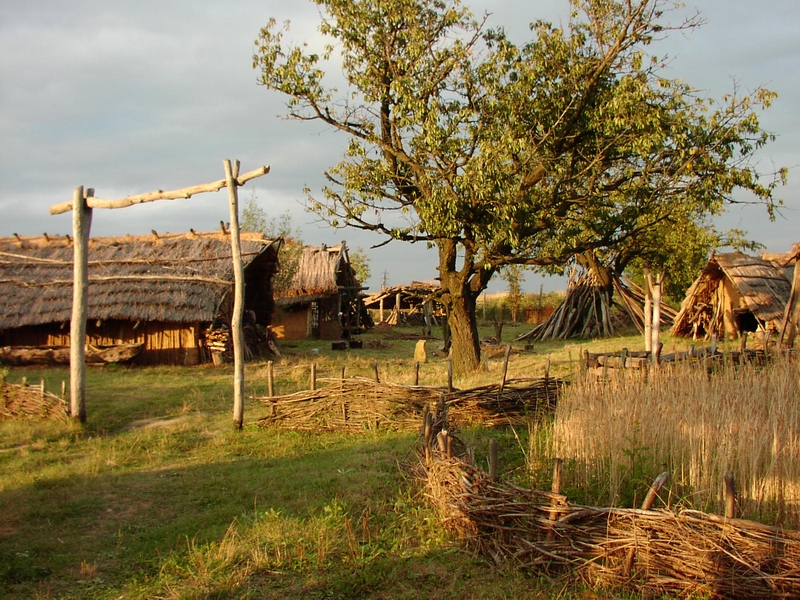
pixel 461 289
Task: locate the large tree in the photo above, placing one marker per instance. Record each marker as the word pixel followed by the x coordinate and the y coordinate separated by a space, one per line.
pixel 498 153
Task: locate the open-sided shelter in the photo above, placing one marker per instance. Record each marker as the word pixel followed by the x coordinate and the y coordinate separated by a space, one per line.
pixel 163 291
pixel 405 301
pixel 324 299
pixel 734 293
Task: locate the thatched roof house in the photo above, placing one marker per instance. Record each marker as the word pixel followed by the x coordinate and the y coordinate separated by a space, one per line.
pixel 323 299
pixel 160 290
pixel 734 293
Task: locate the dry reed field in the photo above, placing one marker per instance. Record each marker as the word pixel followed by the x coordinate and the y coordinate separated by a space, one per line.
pixel 616 436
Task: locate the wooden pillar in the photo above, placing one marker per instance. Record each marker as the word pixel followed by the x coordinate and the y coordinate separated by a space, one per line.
pixel 380 312
pixel 648 308
pixel 81 224
pixel 656 332
pixel 238 299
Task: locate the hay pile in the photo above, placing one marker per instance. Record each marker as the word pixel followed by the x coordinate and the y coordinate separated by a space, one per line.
pixel 30 402
pixel 656 551
pixel 358 403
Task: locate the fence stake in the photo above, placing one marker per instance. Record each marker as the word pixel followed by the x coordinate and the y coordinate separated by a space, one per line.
pixel 505 367
pixel 416 373
pixel 375 368
pixel 649 500
pixel 493 459
pixel 556 489
pixel 449 375
pixel 270 379
pixel 313 376
pixel 730 495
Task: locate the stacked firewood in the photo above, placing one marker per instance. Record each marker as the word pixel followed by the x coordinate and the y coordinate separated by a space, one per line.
pixel 218 341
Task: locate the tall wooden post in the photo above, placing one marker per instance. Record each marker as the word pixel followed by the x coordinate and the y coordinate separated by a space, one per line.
pixel 238 300
pixel 656 332
pixel 81 224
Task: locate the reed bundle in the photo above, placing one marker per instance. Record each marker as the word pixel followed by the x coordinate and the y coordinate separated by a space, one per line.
pixel 357 403
pixel 30 402
pixel 657 551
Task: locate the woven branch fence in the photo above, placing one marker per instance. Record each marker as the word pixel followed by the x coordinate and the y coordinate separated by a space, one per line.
pixel 30 402
pixel 657 552
pixel 357 403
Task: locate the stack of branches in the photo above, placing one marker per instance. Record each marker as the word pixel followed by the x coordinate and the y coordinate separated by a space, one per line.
pixel 30 402
pixel 659 551
pixel 585 312
pixel 358 403
pixel 632 299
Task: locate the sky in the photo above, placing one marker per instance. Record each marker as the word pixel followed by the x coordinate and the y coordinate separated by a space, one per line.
pixel 128 97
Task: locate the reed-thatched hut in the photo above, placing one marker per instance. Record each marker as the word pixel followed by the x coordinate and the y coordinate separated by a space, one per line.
pixel 324 299
pixel 734 293
pixel 162 291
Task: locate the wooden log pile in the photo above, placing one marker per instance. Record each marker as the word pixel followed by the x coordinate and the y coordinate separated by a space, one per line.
pixel 219 342
pixel 658 552
pixel 30 402
pixel 359 403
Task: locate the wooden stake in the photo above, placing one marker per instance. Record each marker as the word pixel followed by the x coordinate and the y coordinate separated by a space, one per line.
pixel 416 373
pixel 449 375
pixel 375 369
pixel 556 489
pixel 313 378
pixel 81 224
pixel 730 495
pixel 237 331
pixel 493 459
pixel 505 367
pixel 270 379
pixel 648 503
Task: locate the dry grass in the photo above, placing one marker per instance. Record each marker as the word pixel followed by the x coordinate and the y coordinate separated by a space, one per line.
pixel 618 435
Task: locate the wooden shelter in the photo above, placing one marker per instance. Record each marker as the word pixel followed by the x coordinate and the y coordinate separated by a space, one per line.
pixel 324 299
pixel 735 293
pixel 164 291
pixel 405 301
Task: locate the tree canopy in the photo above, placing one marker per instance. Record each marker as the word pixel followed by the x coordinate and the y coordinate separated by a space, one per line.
pixel 498 153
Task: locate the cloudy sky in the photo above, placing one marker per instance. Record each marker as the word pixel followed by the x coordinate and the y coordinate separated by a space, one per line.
pixel 132 96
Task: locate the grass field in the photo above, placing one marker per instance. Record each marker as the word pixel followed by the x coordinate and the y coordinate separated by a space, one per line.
pixel 157 497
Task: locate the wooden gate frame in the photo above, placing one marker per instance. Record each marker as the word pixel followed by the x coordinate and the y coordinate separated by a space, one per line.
pixel 81 224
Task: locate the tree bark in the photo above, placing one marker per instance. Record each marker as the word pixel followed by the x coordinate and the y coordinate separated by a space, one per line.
pixel 460 298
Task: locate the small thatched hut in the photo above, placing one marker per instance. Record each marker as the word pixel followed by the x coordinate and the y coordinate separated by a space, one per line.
pixel 324 299
pixel 163 291
pixel 734 293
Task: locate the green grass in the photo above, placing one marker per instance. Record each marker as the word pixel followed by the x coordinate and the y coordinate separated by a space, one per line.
pixel 157 496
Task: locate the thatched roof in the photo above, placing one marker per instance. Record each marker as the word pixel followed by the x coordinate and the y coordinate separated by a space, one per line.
pixel 321 272
pixel 167 277
pixel 763 286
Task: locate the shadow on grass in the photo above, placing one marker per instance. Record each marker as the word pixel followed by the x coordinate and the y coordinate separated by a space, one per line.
pixel 82 534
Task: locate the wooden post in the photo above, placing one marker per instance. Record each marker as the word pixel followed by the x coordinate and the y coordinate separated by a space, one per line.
pixel 270 379
pixel 449 375
pixel 238 300
pixel 505 367
pixel 380 312
pixel 657 289
pixel 493 459
pixel 652 493
pixel 730 495
pixel 416 373
pixel 81 224
pixel 342 375
pixel 649 500
pixel 743 343
pixel 648 308
pixel 375 369
pixel 555 488
pixel 313 378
